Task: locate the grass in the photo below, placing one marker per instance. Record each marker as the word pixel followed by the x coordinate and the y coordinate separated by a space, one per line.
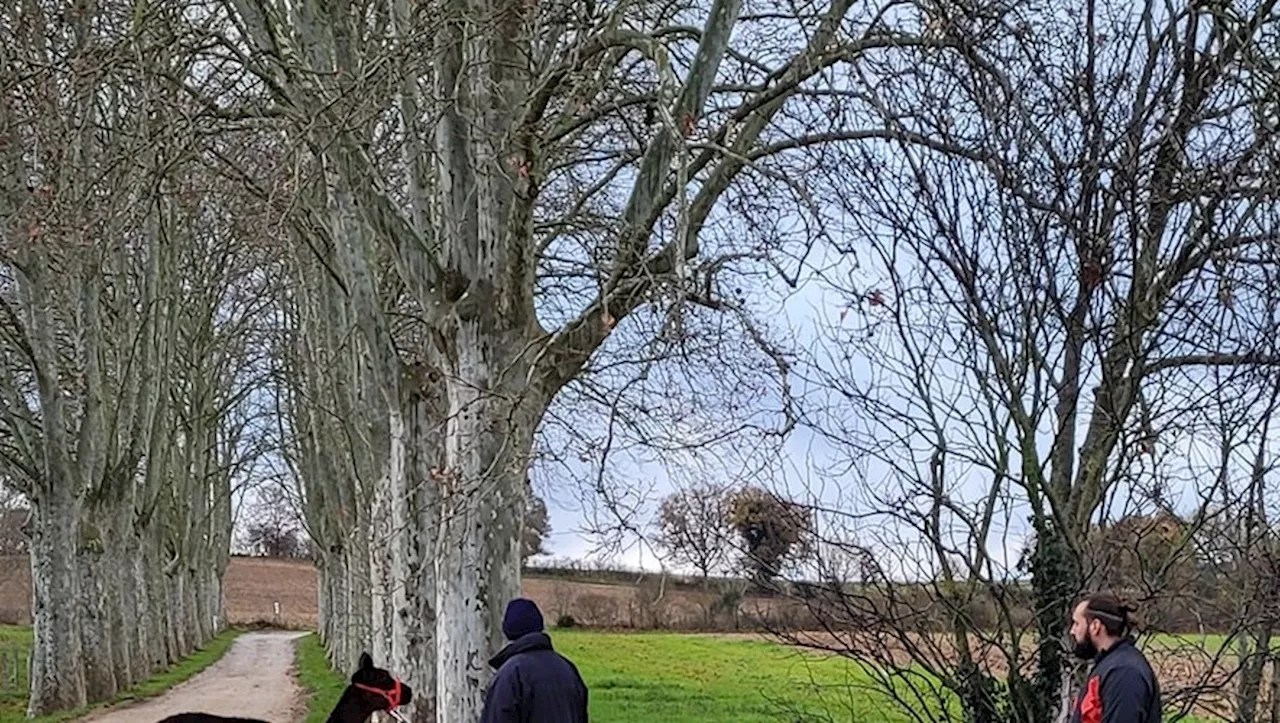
pixel 323 686
pixel 1212 643
pixel 643 677
pixel 13 704
pixel 15 647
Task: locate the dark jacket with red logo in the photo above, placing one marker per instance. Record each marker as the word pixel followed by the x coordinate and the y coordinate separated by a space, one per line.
pixel 1121 689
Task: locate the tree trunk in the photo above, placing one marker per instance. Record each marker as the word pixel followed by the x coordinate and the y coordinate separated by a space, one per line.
pixel 478 572
pixel 382 583
pixel 124 619
pixel 57 660
pixel 114 607
pixel 345 649
pixel 123 603
pixel 196 626
pixel 359 600
pixel 220 550
pixel 199 607
pixel 417 446
pixel 148 647
pixel 1255 654
pixel 201 594
pixel 170 611
pixel 180 641
pixel 182 616
pixel 340 648
pixel 482 506
pixel 158 596
pixel 99 673
pixel 324 599
pixel 1275 689
pixel 218 600
pixel 1053 585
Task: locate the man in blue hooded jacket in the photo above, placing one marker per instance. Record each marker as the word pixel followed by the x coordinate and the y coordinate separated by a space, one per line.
pixel 534 683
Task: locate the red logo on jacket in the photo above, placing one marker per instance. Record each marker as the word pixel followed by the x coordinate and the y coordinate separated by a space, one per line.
pixel 1091 704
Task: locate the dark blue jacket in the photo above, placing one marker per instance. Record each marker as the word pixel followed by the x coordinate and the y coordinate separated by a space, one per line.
pixel 1121 689
pixel 534 684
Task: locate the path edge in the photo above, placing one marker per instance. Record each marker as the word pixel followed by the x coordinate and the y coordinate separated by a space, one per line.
pixel 139 694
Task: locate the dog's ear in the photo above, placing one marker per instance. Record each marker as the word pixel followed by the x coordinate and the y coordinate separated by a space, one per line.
pixel 366 662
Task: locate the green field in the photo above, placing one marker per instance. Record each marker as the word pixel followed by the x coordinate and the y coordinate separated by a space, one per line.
pixel 13 699
pixel 638 678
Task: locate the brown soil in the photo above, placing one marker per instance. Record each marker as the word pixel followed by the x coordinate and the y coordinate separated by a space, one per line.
pixel 255 585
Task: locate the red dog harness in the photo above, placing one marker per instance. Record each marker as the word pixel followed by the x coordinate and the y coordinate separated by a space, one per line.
pixel 392 696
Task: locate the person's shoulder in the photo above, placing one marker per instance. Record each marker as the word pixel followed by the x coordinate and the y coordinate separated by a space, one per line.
pixel 1137 657
pixel 1128 662
pixel 513 663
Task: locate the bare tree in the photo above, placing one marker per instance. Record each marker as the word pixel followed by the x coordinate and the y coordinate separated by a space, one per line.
pixel 694 528
pixel 1070 247
pixel 274 528
pixel 1237 548
pixel 334 438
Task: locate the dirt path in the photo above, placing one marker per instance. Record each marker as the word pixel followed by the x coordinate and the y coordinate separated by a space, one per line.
pixel 253 680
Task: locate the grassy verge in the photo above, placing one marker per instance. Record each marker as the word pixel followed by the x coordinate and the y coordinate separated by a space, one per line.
pixel 323 686
pixel 13 703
